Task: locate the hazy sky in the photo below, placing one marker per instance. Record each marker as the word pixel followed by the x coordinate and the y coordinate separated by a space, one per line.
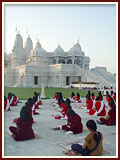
pixel 94 25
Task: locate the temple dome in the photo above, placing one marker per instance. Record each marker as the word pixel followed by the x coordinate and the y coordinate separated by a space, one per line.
pixel 59 50
pixel 18 42
pixel 76 48
pixel 28 44
pixel 38 50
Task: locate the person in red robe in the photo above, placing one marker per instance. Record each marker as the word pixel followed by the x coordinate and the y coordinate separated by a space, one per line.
pixel 89 102
pixel 111 93
pixel 78 100
pixel 114 96
pixel 93 96
pixel 88 94
pixel 99 108
pixel 56 96
pixel 39 99
pixel 15 99
pixel 74 123
pixel 65 106
pixel 6 104
pixel 100 95
pixel 24 130
pixel 110 118
pixel 109 98
pixel 72 98
pixel 11 99
pixel 61 111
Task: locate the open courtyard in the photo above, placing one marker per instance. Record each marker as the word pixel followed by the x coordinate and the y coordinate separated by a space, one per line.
pixel 48 143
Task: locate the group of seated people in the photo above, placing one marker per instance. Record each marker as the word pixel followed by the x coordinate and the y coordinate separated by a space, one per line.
pixel 92 144
pixel 24 130
pixel 75 126
pixel 9 101
pixel 76 98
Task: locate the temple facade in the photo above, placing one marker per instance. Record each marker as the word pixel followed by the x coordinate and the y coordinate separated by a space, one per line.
pixel 28 66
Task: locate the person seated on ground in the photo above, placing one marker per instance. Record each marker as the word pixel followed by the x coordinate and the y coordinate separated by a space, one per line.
pixel 93 96
pixel 114 96
pixel 110 118
pixel 32 107
pixel 111 93
pixel 78 100
pixel 88 94
pixel 27 104
pixel 64 107
pixel 109 98
pixel 74 123
pixel 11 99
pixel 92 144
pixel 15 99
pixel 36 102
pixel 35 94
pixel 24 130
pixel 100 95
pixel 39 99
pixel 107 93
pixel 55 99
pixel 99 108
pixel 59 102
pixel 60 112
pixel 6 104
pixel 56 96
pixel 72 98
pixel 89 102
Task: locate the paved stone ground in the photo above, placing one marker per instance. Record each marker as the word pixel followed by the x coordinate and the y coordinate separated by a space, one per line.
pixel 47 145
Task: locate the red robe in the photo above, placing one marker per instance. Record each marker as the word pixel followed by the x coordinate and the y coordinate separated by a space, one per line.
pixel 93 97
pixel 112 120
pixel 6 105
pixel 98 106
pixel 75 126
pixel 12 101
pixel 63 112
pixel 15 99
pixel 78 99
pixel 32 110
pixel 114 97
pixel 100 98
pixel 108 99
pixel 89 103
pixel 56 96
pixel 25 131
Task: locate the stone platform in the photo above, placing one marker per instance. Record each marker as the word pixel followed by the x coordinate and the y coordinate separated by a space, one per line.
pixel 47 145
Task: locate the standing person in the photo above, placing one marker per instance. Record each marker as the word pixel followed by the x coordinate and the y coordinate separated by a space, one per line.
pixel 110 118
pixel 92 144
pixel 74 123
pixel 6 104
pixel 99 108
pixel 24 130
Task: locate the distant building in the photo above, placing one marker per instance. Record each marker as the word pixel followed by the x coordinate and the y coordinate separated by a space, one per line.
pixel 30 67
